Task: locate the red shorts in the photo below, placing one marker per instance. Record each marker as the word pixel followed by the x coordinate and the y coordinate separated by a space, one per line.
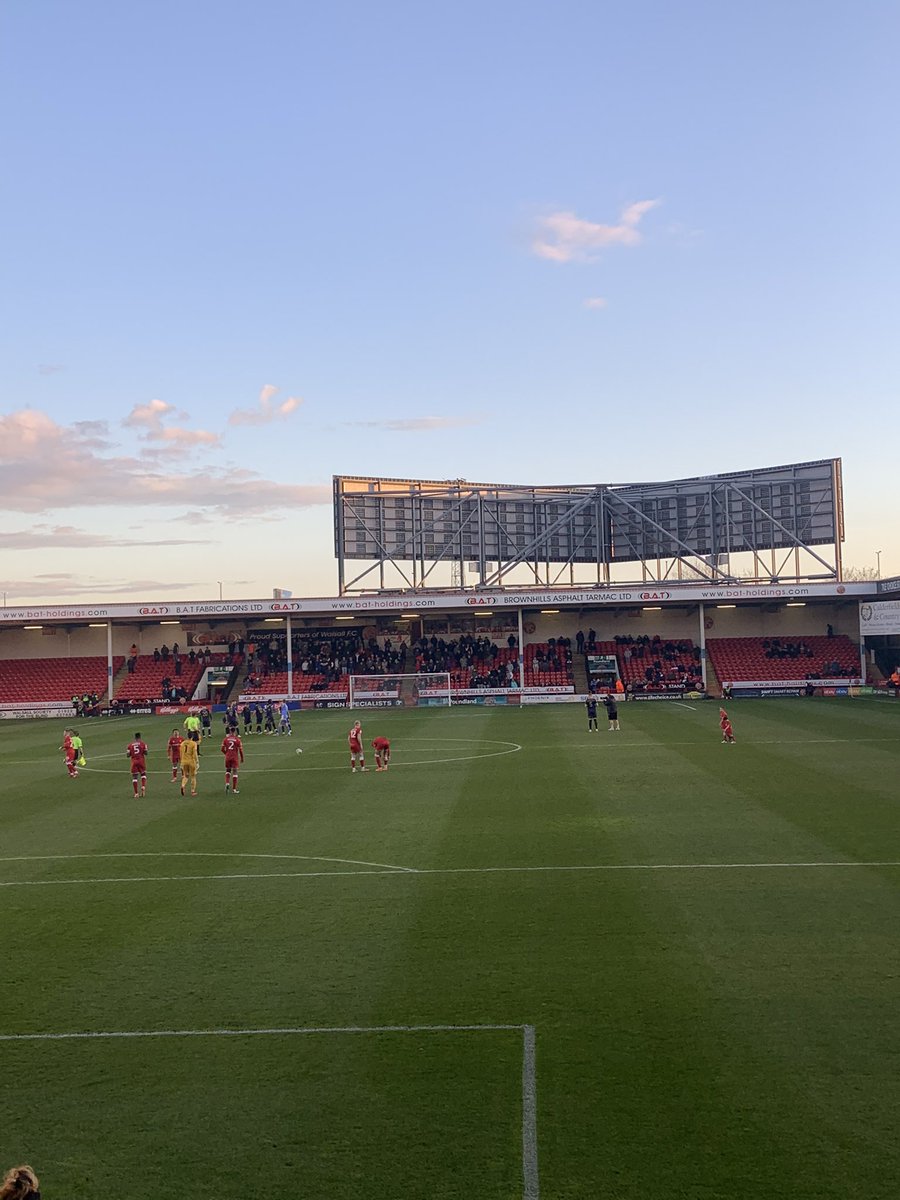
pixel 138 766
pixel 231 762
pixel 356 748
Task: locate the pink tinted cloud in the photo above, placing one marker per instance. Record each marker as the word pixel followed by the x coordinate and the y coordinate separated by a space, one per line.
pixel 40 588
pixel 47 466
pixel 267 411
pixel 565 237
pixel 149 420
pixel 68 537
pixel 150 415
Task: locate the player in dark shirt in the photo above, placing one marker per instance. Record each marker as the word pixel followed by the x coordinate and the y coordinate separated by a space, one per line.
pixel 591 705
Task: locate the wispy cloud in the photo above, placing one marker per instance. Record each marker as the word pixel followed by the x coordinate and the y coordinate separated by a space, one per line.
pixel 415 424
pixel 595 302
pixel 47 466
pixel 67 537
pixel 38 589
pixel 50 368
pixel 565 237
pixel 267 411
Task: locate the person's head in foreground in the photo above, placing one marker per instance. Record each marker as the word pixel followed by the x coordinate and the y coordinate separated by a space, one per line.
pixel 20 1183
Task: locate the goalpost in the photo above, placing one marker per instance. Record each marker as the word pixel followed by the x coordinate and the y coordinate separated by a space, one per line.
pixel 427 689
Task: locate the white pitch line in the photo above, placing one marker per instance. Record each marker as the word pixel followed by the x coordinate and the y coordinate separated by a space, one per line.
pixel 530 1177
pixel 82 1035
pixel 681 705
pixel 11 883
pixel 735 866
pixel 354 862
pixel 648 744
pixel 748 866
pixel 514 748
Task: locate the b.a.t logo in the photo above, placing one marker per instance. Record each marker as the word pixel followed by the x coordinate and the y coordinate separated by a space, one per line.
pixel 159 611
pixel 655 595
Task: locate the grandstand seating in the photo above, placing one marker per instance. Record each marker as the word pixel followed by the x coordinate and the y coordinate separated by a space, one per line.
pixel 636 658
pixel 32 680
pixel 276 684
pixel 744 658
pixel 558 675
pixel 145 683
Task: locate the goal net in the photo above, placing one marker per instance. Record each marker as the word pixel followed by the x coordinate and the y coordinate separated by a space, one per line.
pixel 428 689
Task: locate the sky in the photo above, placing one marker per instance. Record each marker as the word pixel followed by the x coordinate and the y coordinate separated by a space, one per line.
pixel 250 246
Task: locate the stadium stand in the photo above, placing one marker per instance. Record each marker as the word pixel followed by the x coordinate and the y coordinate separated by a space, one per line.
pixel 655 661
pixel 546 665
pixel 276 684
pixel 773 658
pixel 145 682
pixel 33 680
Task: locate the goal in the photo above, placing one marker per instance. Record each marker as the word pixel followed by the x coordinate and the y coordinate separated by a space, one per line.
pixel 429 689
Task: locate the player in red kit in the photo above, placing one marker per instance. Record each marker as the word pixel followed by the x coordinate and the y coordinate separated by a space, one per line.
pixel 233 749
pixel 726 727
pixel 173 749
pixel 137 752
pixel 382 749
pixel 70 754
pixel 354 737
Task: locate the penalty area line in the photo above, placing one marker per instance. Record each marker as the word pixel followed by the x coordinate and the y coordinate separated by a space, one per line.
pixel 529 1160
pixel 596 868
pixel 264 1031
pixel 352 862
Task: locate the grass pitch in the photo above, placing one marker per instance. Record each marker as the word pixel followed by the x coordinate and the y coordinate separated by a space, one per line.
pixel 704 938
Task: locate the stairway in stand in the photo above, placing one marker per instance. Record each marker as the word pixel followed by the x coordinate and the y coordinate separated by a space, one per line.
pixel 713 685
pixel 116 680
pixel 579 674
pixel 408 691
pixel 236 686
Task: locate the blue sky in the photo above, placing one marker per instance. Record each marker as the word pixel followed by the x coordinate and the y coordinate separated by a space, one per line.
pixel 253 245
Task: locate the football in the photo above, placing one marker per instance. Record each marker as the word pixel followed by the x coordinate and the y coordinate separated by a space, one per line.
pixel 299 751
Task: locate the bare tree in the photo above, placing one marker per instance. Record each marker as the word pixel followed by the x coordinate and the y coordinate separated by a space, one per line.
pixel 859 574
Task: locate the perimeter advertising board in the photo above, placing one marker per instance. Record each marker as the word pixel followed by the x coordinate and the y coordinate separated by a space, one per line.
pixel 880 618
pixel 599 596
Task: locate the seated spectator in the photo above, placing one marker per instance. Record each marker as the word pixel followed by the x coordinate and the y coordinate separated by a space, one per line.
pixel 20 1183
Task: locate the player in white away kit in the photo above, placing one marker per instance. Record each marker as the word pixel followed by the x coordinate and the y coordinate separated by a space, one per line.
pixel 356 748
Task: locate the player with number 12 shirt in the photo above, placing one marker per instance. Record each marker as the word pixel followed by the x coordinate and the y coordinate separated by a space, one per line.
pixel 233 749
pixel 357 755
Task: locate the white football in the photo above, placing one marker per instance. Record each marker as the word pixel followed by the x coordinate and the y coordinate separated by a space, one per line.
pixel 299 751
